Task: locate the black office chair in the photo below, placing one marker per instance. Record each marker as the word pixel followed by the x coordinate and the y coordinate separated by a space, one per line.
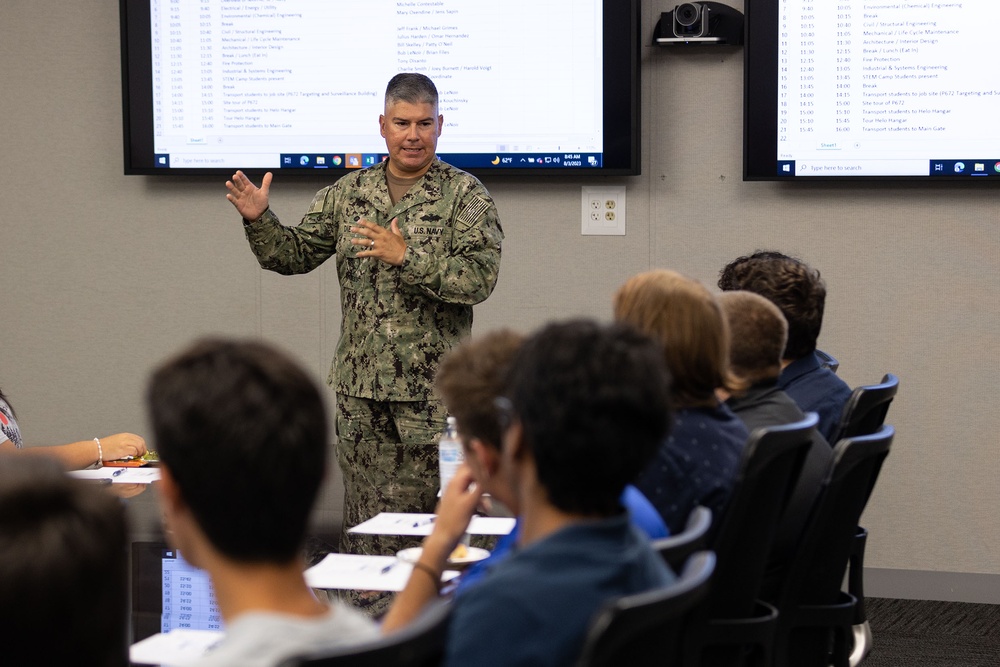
pixel 866 409
pixel 862 640
pixel 863 414
pixel 420 644
pixel 645 628
pixel 676 549
pixel 732 623
pixel 828 360
pixel 815 615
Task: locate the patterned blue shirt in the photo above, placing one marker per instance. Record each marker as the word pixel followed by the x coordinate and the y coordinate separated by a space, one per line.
pixel 697 464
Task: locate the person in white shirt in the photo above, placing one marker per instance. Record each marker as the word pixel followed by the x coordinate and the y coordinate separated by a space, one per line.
pixel 242 436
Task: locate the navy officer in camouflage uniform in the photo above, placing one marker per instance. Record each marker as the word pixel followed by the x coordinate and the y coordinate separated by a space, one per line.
pixel 417 243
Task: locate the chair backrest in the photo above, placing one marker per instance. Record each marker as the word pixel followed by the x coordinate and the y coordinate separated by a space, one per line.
pixel 815 617
pixel 828 360
pixel 676 549
pixel 816 571
pixel 419 644
pixel 742 536
pixel 866 409
pixel 645 628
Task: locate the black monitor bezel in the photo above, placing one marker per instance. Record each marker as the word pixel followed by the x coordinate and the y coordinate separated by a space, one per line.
pixel 760 110
pixel 622 99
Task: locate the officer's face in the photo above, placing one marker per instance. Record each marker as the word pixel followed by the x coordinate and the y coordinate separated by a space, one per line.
pixel 411 132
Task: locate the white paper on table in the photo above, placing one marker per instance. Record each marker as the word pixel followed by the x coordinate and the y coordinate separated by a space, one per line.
pixel 175 648
pixel 363 573
pixel 139 475
pixel 394 523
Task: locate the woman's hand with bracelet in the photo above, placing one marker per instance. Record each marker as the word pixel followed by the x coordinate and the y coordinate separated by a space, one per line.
pixel 122 445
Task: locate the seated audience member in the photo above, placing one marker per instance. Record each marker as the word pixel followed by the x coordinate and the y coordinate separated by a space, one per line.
pixel 697 464
pixel 63 550
pixel 586 408
pixel 242 437
pixel 469 380
pixel 757 333
pixel 74 455
pixel 800 293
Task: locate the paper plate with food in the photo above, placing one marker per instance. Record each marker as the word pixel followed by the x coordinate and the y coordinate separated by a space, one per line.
pixel 461 557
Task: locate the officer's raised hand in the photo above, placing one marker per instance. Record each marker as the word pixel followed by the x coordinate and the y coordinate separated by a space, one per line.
pixel 248 199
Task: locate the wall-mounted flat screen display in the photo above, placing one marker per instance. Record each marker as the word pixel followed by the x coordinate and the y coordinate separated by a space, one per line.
pixel 526 86
pixel 871 89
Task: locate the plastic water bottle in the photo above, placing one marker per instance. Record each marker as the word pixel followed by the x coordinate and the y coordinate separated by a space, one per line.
pixel 450 454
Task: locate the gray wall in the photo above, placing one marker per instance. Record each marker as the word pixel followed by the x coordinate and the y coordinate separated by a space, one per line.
pixel 103 275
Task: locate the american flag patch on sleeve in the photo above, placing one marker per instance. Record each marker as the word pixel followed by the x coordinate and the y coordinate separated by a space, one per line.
pixel 472 212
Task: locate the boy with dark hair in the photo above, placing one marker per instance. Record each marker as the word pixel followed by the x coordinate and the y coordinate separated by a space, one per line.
pixel 800 294
pixel 586 408
pixel 63 589
pixel 241 432
pixel 470 379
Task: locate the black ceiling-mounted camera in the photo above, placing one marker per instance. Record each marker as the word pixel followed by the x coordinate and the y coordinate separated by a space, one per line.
pixel 691 20
pixel 700 23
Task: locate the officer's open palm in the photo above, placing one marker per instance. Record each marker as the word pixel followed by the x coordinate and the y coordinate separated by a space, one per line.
pixel 248 199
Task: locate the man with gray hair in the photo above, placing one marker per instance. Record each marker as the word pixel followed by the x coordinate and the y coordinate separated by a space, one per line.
pixel 417 244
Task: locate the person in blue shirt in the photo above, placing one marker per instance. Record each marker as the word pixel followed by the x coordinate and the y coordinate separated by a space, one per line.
pixel 641 512
pixel 698 462
pixel 469 380
pixel 585 407
pixel 800 293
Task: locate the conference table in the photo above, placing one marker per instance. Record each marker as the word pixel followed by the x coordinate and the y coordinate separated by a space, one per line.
pixel 137 488
pixel 390 572
pixel 333 571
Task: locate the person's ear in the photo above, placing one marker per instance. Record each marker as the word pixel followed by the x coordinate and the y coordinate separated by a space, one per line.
pixel 171 505
pixel 168 490
pixel 179 526
pixel 513 441
pixel 487 457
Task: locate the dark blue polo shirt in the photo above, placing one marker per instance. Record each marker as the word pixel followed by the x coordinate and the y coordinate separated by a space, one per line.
pixel 815 388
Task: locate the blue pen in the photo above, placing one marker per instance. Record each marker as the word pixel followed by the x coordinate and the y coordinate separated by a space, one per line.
pixel 118 472
pixel 424 522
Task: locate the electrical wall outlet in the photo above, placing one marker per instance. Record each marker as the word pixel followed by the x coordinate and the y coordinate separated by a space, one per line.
pixel 603 210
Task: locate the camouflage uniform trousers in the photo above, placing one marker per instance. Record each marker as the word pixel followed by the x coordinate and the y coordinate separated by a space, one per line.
pixel 388 454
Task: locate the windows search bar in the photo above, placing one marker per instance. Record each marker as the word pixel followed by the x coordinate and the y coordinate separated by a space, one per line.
pixel 906 167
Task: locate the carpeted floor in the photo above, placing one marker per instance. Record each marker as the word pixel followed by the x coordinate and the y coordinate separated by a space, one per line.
pixel 926 633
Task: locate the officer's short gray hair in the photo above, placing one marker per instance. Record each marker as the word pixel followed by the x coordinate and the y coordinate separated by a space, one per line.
pixel 411 87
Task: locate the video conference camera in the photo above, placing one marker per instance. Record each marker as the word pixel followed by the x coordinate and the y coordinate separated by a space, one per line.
pixel 700 23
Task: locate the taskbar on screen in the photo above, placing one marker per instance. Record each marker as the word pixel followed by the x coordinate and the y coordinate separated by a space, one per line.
pixel 460 160
pixel 566 160
pixel 867 167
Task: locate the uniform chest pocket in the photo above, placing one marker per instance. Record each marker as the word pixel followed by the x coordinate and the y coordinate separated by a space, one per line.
pixel 351 269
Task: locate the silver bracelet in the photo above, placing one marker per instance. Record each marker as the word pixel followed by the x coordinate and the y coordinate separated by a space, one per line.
pixel 100 453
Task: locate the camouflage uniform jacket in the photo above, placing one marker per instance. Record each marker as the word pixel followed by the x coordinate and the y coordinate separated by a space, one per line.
pixel 396 322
